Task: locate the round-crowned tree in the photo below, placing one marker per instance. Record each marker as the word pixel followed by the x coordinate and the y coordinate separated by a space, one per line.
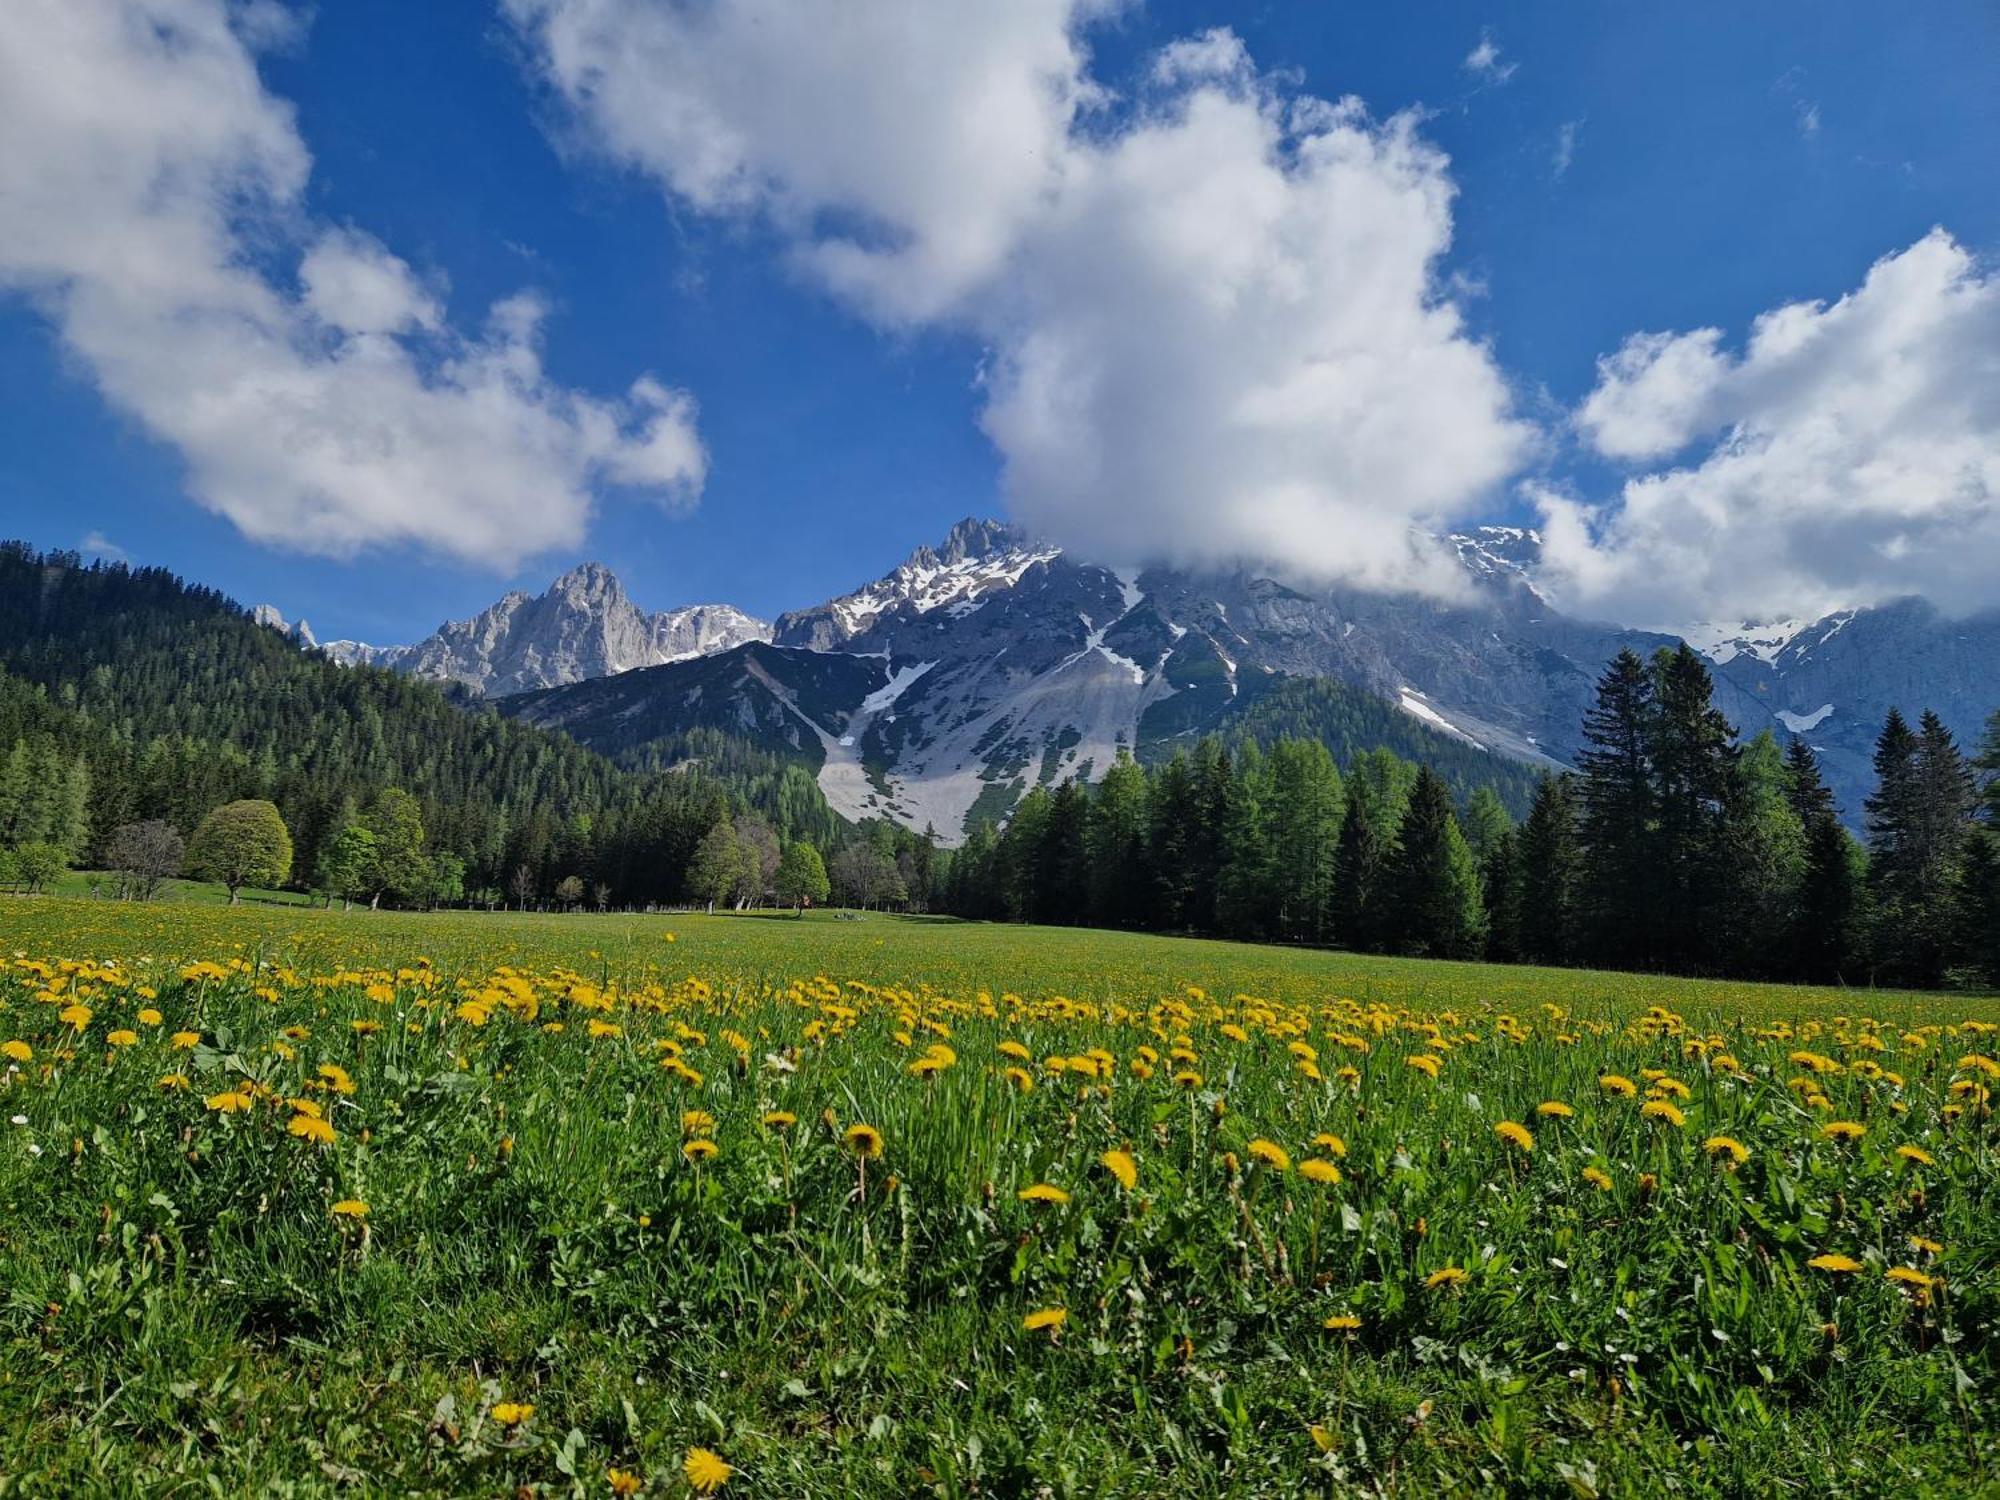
pixel 239 844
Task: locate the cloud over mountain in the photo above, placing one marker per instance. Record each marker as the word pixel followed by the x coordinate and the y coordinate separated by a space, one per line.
pixel 1214 323
pixel 152 207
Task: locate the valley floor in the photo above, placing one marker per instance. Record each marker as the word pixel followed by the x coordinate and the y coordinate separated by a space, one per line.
pixel 301 1201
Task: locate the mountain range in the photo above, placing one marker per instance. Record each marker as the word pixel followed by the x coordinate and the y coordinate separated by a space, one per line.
pixel 937 694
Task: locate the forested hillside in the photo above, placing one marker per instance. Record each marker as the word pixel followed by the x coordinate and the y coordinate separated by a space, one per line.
pixel 131 695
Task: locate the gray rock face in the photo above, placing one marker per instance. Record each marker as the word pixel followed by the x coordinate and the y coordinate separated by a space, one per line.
pixel 584 626
pixel 299 632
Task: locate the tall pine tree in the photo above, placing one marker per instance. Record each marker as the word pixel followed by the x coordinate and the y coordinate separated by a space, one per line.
pixel 1619 811
pixel 1551 871
pixel 1434 908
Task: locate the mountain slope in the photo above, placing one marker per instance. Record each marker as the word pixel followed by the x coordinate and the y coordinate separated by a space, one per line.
pixel 582 626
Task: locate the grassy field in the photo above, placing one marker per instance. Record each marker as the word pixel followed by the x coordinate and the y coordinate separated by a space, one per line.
pixel 300 1202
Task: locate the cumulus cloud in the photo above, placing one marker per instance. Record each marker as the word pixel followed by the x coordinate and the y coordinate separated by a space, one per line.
pixel 1847 454
pixel 1214 321
pixel 151 206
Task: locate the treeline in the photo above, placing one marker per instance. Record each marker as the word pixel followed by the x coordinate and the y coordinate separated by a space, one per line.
pixel 129 697
pixel 1672 847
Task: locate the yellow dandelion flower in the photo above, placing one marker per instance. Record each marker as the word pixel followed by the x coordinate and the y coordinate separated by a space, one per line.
pixel 1187 1078
pixel 697 1122
pixel 122 1038
pixel 150 1017
pixel 1515 1134
pixel 1331 1144
pixel 1840 1265
pixel 1619 1084
pixel 863 1140
pixel 1729 1146
pixel 1342 1323
pixel 1554 1109
pixel 1123 1166
pixel 1909 1276
pixel 1660 1109
pixel 175 1081
pixel 1424 1063
pixel 1046 1317
pixel 1270 1153
pixel 186 1041
pixel 1842 1130
pixel 1043 1192
pixel 701 1150
pixel 1927 1246
pixel 1316 1169
pixel 349 1208
pixel 230 1102
pixel 1598 1178
pixel 1016 1051
pixel 624 1481
pixel 512 1413
pixel 780 1119
pixel 17 1051
pixel 706 1472
pixel 75 1015
pixel 1449 1276
pixel 1020 1078
pixel 311 1128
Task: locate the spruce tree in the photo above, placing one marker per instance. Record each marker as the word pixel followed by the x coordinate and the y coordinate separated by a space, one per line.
pixel 1551 870
pixel 1500 885
pixel 1695 876
pixel 1945 791
pixel 1892 824
pixel 1821 939
pixel 1244 896
pixel 1357 869
pixel 1306 801
pixel 1171 846
pixel 1120 893
pixel 1432 883
pixel 1978 937
pixel 1618 812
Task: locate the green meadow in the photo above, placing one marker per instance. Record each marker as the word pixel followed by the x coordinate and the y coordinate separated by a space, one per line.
pixel 301 1202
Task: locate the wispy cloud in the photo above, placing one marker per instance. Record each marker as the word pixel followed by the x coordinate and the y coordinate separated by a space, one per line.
pixel 97 544
pixel 1805 110
pixel 1484 61
pixel 1565 151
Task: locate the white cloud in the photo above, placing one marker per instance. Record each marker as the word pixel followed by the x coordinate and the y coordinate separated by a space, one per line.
pixel 1483 61
pixel 1213 314
pixel 1847 454
pixel 1564 155
pixel 151 206
pixel 97 544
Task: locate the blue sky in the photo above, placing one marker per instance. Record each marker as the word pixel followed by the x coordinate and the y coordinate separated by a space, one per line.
pixel 1618 169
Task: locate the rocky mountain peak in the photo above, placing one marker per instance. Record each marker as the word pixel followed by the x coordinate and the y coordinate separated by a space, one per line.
pixel 974 538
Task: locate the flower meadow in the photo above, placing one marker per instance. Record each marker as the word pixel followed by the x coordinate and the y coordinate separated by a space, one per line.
pixel 309 1203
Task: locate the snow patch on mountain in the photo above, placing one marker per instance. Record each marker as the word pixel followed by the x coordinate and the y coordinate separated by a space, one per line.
pixel 1800 723
pixel 1412 702
pixel 1722 643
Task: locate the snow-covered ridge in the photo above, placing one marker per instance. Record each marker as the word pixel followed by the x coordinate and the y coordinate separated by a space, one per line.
pixel 1723 642
pixel 925 583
